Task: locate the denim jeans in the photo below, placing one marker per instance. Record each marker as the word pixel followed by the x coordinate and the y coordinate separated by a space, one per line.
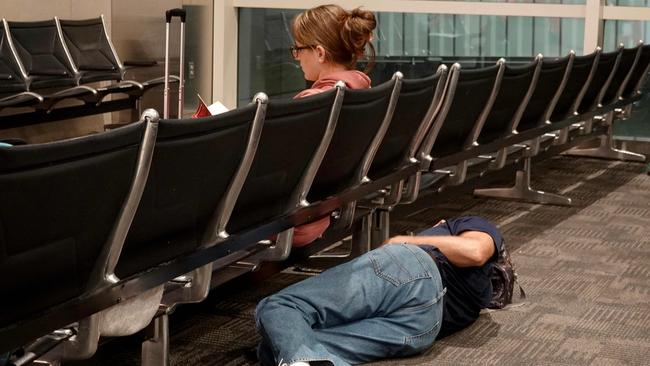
pixel 385 303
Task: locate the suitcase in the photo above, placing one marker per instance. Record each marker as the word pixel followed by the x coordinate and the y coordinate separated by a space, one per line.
pixel 169 15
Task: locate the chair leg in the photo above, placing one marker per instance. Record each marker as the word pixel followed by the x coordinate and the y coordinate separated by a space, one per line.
pixel 380 231
pixel 155 350
pixel 361 243
pixel 563 137
pixel 522 190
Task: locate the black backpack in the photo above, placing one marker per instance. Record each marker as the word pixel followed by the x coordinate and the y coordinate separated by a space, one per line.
pixel 503 281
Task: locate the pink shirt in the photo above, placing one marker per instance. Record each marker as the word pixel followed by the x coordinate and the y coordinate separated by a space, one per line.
pixel 307 233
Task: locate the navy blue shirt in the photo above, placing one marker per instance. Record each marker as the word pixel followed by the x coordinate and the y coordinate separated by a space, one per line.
pixel 469 289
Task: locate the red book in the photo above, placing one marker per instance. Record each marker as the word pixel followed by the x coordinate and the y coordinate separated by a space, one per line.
pixel 204 110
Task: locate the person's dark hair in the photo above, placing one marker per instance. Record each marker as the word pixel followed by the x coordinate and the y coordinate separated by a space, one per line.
pixel 343 34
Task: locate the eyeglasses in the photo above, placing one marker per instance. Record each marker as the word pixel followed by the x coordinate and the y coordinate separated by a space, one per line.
pixel 295 49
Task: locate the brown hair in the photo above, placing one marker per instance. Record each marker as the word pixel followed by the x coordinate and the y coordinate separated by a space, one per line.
pixel 343 34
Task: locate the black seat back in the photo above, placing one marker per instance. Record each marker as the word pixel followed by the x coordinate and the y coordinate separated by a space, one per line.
pixel 639 74
pixel 621 75
pixel 11 79
pixel 42 54
pixel 549 86
pixel 582 72
pixel 516 88
pixel 60 203
pixel 292 132
pixel 193 166
pixel 607 63
pixel 360 119
pixel 418 101
pixel 91 50
pixel 469 100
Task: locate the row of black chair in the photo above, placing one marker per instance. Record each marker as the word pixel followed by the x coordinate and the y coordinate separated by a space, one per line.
pixel 45 62
pixel 122 212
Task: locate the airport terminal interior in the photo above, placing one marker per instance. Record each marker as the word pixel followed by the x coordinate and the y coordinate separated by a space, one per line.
pixel 138 228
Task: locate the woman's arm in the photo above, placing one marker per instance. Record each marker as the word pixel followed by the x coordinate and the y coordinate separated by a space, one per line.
pixel 469 249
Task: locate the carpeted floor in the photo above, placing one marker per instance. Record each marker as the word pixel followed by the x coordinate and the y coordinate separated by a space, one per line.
pixel 585 269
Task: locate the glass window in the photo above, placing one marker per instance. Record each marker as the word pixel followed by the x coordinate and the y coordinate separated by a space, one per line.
pixel 415 44
pixel 639 3
pixel 627 32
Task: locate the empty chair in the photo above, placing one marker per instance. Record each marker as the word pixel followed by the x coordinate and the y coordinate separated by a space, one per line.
pixel 43 59
pixel 552 81
pixel 41 53
pixel 197 171
pixel 468 101
pixel 517 87
pixel 418 103
pixel 639 74
pixel 579 81
pixel 622 75
pixel 93 56
pixel 607 65
pixel 554 75
pixel 196 174
pixel 90 50
pixel 13 85
pixel 81 194
pixel 611 92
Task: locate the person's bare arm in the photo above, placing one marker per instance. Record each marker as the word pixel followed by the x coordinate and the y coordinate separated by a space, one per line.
pixel 469 249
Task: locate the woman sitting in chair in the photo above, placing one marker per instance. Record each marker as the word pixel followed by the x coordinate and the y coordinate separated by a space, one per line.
pixel 328 43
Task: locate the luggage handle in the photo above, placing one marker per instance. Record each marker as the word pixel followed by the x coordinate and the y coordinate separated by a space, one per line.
pixel 171 13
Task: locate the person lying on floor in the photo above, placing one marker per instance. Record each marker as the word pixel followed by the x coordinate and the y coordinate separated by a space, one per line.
pixel 393 301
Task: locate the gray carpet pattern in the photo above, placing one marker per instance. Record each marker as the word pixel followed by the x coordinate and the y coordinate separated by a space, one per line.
pixel 585 269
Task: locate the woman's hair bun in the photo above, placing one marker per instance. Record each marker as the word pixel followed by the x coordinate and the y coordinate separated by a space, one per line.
pixel 357 30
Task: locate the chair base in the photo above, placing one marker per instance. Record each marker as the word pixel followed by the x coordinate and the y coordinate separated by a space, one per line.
pixel 606 150
pixel 522 191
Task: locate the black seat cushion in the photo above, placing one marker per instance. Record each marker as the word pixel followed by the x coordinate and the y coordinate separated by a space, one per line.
pixel 362 113
pixel 414 101
pixel 579 76
pixel 42 54
pixel 638 73
pixel 606 64
pixel 91 50
pixel 472 94
pixel 624 68
pixel 514 86
pixel 549 83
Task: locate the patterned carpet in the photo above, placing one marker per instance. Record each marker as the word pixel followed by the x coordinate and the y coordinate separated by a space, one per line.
pixel 585 269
